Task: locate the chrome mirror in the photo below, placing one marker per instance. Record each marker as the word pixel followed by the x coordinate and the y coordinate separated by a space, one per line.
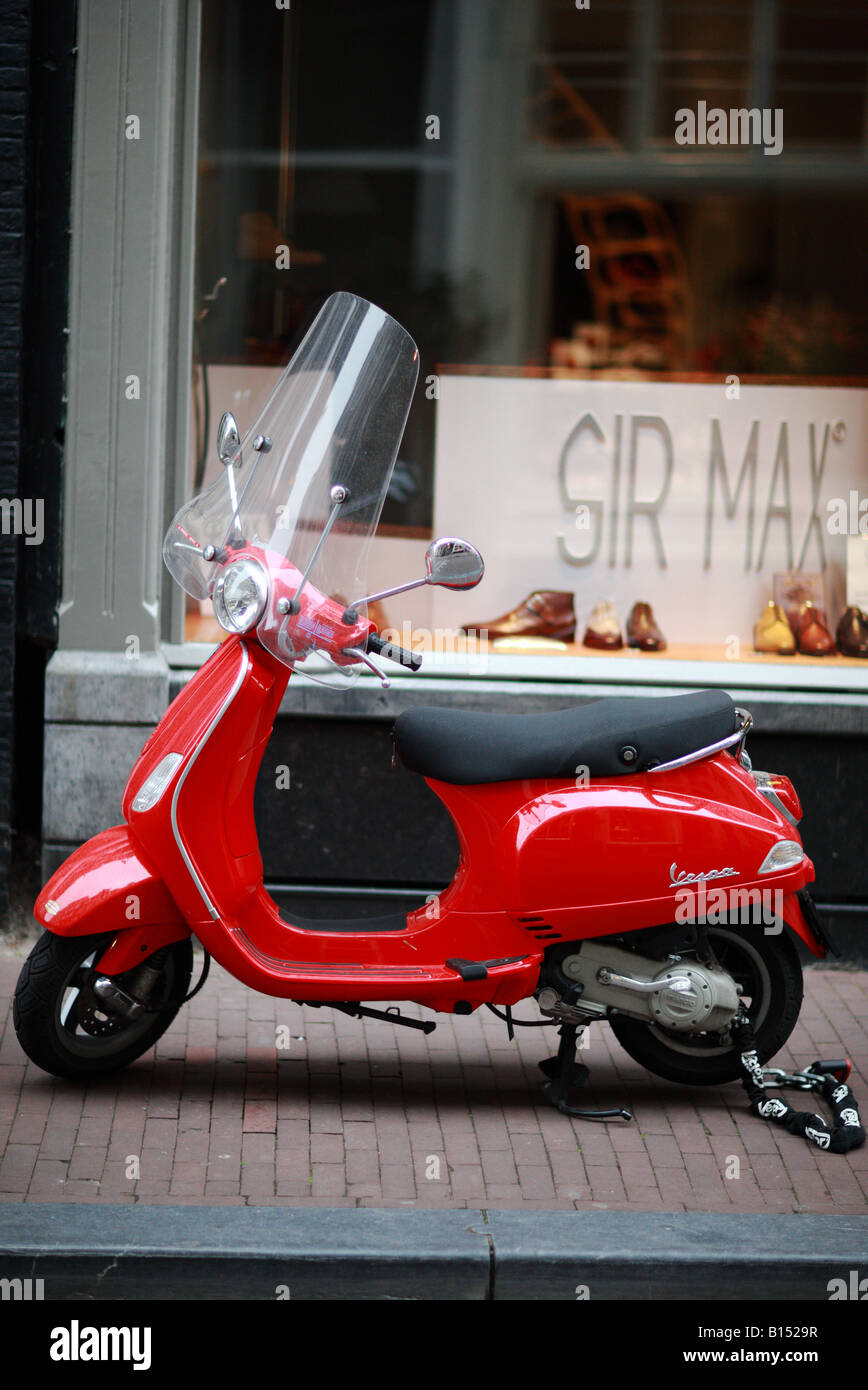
pixel 453 563
pixel 228 439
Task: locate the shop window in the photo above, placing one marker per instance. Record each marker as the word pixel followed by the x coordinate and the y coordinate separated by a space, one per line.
pixel 648 354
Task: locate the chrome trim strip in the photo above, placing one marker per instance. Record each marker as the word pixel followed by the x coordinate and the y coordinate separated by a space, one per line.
pixel 323 969
pixel 244 667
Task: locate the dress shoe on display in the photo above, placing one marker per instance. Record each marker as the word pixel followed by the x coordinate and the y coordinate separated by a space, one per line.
pixel 642 630
pixel 815 639
pixel 772 633
pixel 852 633
pixel 544 613
pixel 603 631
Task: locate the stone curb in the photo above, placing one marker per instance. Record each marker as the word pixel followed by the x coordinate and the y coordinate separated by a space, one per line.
pixel 262 1253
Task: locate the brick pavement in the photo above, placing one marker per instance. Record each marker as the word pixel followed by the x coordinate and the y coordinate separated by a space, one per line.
pixel 354 1114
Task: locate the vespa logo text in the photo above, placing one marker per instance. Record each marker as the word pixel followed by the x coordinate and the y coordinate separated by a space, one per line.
pixel 677 878
pixel 314 627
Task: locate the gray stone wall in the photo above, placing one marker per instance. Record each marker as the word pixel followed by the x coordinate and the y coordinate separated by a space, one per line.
pixel 130 331
pixel 14 51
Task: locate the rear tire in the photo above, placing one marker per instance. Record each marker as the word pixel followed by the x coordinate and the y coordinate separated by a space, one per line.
pixel 770 973
pixel 63 1027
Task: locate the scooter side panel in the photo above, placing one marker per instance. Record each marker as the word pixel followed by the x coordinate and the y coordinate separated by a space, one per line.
pixel 185 721
pixel 615 856
pixel 107 885
pixel 577 859
pixel 202 830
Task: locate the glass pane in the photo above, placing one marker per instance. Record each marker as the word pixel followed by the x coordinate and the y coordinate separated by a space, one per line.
pixel 505 181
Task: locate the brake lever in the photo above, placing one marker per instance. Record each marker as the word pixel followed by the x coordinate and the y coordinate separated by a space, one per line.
pixel 364 656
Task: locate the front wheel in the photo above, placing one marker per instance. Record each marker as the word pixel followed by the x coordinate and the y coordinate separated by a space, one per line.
pixel 769 972
pixel 62 1025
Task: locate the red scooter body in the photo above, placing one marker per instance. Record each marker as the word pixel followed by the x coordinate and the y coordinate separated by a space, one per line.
pixel 594 894
pixel 541 862
pixel 557 874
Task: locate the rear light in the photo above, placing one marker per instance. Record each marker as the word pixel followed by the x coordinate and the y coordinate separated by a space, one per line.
pixel 780 791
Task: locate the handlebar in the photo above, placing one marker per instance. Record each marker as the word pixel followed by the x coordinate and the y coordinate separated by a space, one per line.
pixel 377 647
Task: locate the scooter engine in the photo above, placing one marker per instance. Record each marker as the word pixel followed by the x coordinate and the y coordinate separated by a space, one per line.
pixel 681 995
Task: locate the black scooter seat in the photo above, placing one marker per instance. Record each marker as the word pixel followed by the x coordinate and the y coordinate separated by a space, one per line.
pixel 611 738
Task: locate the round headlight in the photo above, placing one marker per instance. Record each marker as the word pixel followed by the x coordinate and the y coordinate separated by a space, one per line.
pixel 240 595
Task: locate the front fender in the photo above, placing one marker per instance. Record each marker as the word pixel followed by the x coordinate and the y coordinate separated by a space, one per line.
pixel 104 886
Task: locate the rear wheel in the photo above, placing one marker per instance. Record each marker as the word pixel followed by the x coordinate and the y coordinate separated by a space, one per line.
pixel 769 972
pixel 65 1029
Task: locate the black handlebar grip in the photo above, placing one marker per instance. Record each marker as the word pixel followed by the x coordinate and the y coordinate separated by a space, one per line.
pixel 378 647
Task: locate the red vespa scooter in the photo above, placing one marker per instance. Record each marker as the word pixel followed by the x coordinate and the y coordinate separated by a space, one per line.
pixel 619 861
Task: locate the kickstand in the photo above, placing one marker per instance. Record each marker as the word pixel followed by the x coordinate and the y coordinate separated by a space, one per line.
pixel 565 1073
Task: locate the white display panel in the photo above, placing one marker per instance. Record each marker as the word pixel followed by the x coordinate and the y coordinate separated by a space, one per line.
pixel 693 500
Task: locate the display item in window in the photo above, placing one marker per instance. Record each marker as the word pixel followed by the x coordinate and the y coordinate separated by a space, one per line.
pixel 772 633
pixel 642 629
pixel 852 633
pixel 795 588
pixel 603 630
pixel 544 613
pixel 815 639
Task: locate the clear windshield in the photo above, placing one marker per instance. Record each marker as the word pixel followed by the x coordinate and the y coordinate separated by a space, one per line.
pixel 334 421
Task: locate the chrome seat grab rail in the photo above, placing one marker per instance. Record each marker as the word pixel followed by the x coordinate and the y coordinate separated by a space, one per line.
pixel 738 737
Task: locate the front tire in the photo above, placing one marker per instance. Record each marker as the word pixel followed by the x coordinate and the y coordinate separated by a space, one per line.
pixel 65 1029
pixel 770 974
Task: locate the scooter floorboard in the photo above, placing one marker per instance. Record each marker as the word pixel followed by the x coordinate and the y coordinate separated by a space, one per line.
pixel 393 921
